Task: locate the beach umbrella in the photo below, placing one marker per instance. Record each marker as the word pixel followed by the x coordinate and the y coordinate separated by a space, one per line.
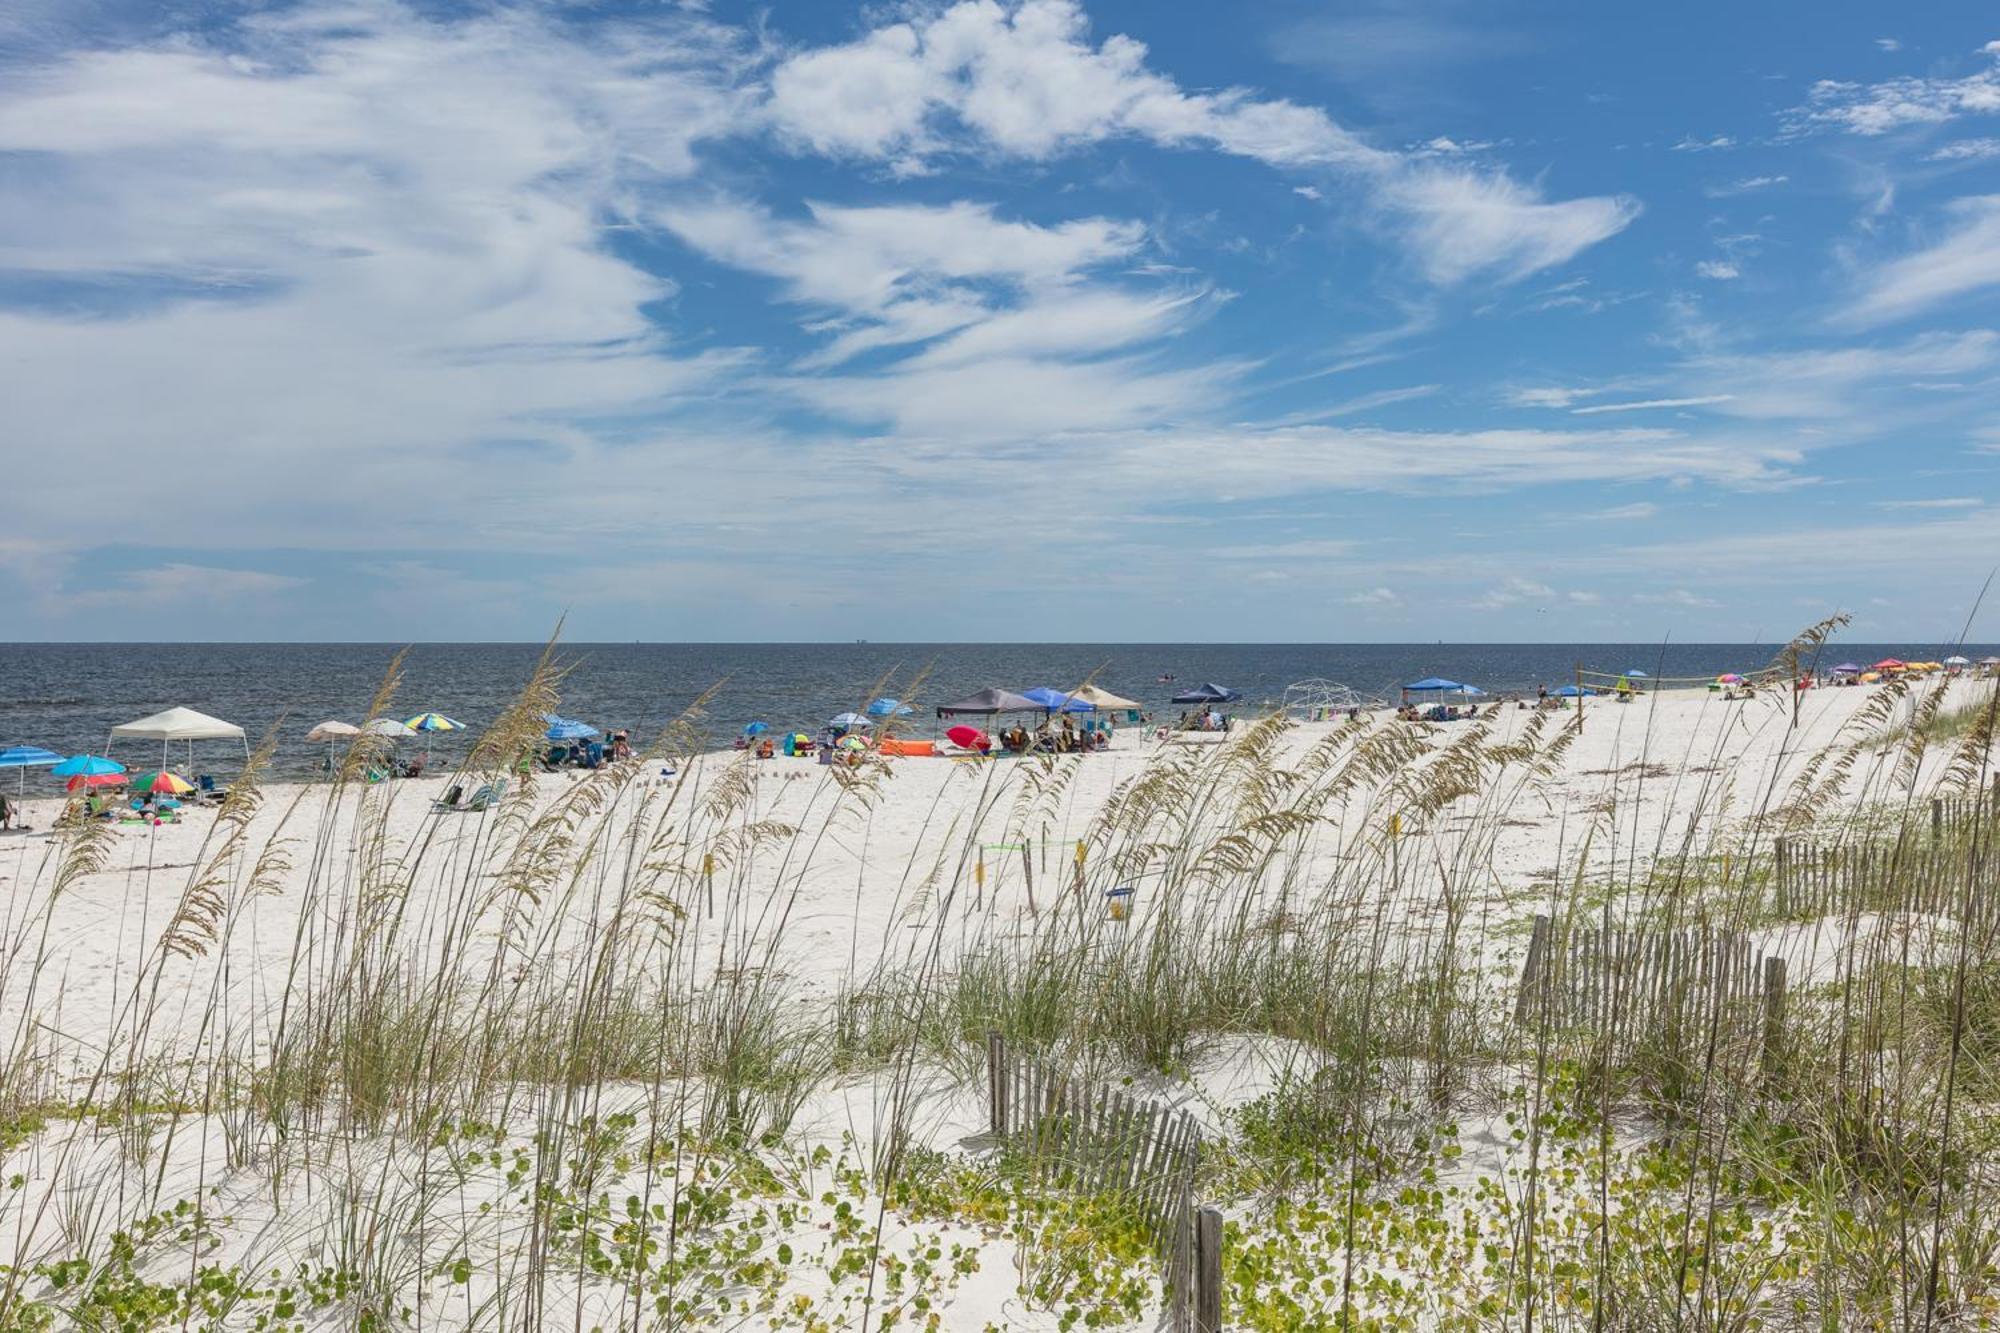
pixel 1989 661
pixel 1956 660
pixel 387 727
pixel 332 730
pixel 433 722
pixel 163 783
pixel 1638 675
pixel 1572 692
pixel 889 708
pixel 85 781
pixel 1208 694
pixel 25 757
pixel 1889 664
pixel 1847 669
pixel 1427 683
pixel 755 728
pixel 1729 678
pixel 848 721
pixel 968 738
pixel 563 729
pixel 87 766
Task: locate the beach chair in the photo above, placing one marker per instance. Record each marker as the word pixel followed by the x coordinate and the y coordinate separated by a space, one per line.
pixel 484 797
pixel 209 791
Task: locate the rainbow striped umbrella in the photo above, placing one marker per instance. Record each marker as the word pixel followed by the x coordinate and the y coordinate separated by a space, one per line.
pixel 163 783
pixel 433 722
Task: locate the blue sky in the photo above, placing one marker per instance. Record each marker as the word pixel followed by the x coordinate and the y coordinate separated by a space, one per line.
pixel 1481 321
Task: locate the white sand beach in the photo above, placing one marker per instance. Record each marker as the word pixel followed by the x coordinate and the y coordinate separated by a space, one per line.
pixel 176 971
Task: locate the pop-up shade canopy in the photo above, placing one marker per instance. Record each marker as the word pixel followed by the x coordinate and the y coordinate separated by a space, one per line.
pixel 1057 701
pixel 1096 697
pixel 1208 694
pixel 179 724
pixel 987 701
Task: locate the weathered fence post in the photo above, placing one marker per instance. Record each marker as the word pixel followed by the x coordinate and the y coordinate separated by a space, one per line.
pixel 1774 1015
pixel 1937 818
pixel 1208 1269
pixel 996 1082
pixel 1784 894
pixel 1532 969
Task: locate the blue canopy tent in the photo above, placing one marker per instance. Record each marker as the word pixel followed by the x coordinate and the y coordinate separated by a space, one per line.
pixel 1057 701
pixel 1208 694
pixel 25 757
pixel 886 707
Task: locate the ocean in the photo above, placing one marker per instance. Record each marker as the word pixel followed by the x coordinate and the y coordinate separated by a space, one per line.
pixel 67 697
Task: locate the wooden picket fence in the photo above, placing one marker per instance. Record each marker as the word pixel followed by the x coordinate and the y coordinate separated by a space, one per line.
pixel 1923 870
pixel 1105 1141
pixel 1671 986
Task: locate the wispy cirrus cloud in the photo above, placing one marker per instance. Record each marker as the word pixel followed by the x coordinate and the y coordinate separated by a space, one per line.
pixel 1965 260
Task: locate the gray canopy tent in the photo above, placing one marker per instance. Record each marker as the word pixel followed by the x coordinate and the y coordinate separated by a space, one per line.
pixel 179 724
pixel 988 702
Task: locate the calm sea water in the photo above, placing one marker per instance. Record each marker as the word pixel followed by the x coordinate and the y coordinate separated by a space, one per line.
pixel 67 697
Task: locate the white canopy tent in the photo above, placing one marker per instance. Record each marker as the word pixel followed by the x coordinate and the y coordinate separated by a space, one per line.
pixel 179 724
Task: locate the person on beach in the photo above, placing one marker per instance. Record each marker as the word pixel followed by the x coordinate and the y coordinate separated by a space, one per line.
pixel 10 813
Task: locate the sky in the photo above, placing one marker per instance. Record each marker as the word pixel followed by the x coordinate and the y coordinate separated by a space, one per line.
pixel 1274 321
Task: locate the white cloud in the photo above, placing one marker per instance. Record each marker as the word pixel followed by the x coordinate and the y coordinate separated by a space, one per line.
pixel 1626 513
pixel 1650 404
pixel 1879 108
pixel 1308 192
pixel 1747 185
pixel 896 275
pixel 1512 591
pixel 179 582
pixel 1467 222
pixel 1966 260
pixel 1374 597
pixel 1554 397
pixel 1718 270
pixel 1946 502
pixel 1026 81
pixel 343 236
pixel 1690 144
pixel 1966 150
pixel 1888 44
pixel 1677 597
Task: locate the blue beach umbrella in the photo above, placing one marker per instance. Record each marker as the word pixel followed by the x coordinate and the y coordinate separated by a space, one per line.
pixel 1572 692
pixel 563 729
pixel 1434 683
pixel 756 728
pixel 86 766
pixel 848 721
pixel 25 757
pixel 886 707
pixel 1638 675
